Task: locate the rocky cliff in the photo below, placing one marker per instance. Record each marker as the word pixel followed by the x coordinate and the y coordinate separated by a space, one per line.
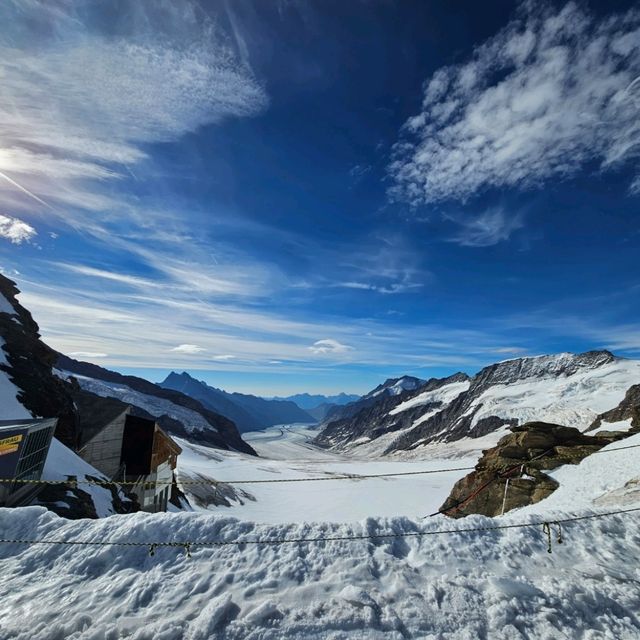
pixel 28 365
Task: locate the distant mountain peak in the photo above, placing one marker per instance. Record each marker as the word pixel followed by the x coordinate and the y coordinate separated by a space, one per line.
pixel 248 412
pixel 396 386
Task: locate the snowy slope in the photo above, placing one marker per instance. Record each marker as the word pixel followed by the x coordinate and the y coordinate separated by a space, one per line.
pixel 501 585
pixel 5 305
pixel 573 400
pixel 62 462
pixel 154 405
pixel 444 394
pixel 10 407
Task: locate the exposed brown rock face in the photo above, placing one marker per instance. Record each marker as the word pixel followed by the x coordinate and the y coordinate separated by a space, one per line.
pixel 522 457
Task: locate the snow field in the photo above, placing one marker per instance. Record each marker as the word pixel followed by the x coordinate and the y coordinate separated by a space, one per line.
pixel 444 394
pixel 290 456
pixel 573 401
pixel 500 584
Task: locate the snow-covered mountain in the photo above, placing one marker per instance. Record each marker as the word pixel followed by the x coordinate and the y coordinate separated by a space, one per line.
pixel 395 386
pixel 313 400
pixel 250 413
pixel 176 412
pixel 35 382
pixel 567 389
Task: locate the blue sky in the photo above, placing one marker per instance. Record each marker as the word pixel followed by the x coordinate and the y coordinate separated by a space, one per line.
pixel 314 196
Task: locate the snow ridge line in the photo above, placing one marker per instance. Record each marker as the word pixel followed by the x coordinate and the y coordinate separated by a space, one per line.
pixel 276 480
pixel 189 545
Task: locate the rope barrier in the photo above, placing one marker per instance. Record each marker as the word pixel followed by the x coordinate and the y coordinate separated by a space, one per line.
pixel 189 545
pixel 152 483
pixel 505 473
pixel 352 476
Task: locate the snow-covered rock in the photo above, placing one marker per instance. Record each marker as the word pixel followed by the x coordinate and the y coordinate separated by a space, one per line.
pixel 395 386
pixel 10 407
pixel 28 387
pixel 84 500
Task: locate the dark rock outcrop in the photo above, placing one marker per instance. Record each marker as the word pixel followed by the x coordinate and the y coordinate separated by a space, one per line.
pixel 629 408
pixel 29 364
pixel 522 458
pixel 75 503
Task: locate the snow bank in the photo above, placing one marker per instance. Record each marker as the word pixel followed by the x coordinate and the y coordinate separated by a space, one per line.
pixel 501 585
pixel 62 462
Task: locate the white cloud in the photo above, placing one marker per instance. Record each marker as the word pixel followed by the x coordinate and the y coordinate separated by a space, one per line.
pixel 328 345
pixel 15 230
pixel 87 354
pixel 151 330
pixel 489 228
pixel 552 91
pixel 104 274
pixel 188 348
pixel 224 357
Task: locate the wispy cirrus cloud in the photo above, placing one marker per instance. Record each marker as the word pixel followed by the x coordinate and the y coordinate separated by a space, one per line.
pixel 81 100
pixel 491 227
pixel 188 348
pixel 88 354
pixel 553 90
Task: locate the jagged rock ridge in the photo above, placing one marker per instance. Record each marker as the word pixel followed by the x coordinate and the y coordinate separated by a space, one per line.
pixel 566 388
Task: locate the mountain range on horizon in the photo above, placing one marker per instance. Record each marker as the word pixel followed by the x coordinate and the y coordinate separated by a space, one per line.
pixel 565 388
pixel 400 414
pixel 248 412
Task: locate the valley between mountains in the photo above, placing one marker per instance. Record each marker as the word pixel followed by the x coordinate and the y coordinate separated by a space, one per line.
pixel 308 521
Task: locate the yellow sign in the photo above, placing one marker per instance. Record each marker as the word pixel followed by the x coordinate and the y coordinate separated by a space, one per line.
pixel 12 440
pixel 10 445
